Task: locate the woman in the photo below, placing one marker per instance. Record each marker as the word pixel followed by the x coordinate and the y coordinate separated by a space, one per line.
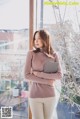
pixel 42 95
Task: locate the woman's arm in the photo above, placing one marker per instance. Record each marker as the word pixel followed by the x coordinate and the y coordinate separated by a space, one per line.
pixel 54 76
pixel 32 77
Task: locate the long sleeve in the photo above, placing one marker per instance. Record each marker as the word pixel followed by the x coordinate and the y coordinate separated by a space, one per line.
pixel 27 71
pixel 57 75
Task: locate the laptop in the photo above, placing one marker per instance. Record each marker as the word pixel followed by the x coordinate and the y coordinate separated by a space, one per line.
pixel 50 66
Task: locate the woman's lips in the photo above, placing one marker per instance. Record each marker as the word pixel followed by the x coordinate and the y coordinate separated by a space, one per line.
pixel 37 44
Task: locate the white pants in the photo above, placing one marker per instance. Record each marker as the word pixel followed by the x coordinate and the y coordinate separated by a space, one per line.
pixel 42 108
pixel 45 108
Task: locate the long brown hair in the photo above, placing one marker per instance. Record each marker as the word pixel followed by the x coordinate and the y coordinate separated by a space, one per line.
pixel 46 40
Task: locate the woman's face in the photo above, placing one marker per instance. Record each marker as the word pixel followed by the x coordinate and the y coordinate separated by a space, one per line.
pixel 38 41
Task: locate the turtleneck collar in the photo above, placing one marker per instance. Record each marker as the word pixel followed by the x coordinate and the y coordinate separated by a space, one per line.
pixel 38 50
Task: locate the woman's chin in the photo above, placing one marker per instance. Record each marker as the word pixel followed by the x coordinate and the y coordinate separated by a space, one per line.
pixel 37 47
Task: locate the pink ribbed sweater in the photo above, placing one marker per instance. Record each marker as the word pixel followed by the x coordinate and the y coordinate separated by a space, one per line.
pixel 40 87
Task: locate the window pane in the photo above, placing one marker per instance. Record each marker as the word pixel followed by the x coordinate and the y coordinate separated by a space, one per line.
pixel 14 44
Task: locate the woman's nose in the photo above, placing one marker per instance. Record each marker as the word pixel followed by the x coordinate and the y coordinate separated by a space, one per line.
pixel 36 40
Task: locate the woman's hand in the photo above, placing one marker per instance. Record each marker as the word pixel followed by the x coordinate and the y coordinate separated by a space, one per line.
pixel 51 82
pixel 34 72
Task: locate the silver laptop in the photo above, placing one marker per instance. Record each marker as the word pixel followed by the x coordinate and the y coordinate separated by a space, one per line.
pixel 50 67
